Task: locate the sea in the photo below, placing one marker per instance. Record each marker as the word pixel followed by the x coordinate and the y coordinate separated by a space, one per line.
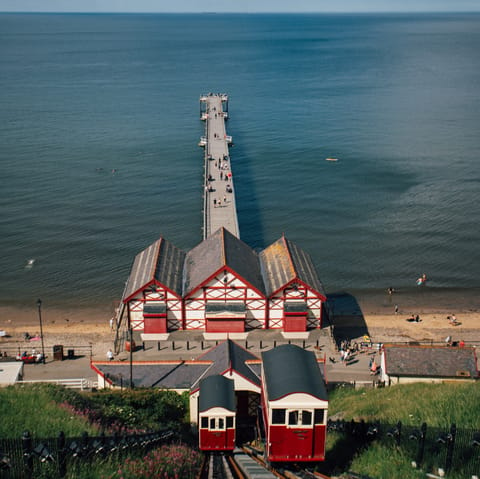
pixel 99 131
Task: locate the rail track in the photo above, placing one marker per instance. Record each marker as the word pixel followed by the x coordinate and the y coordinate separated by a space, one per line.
pixel 245 464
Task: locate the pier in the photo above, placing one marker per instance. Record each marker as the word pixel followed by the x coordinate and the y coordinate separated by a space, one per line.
pixel 219 208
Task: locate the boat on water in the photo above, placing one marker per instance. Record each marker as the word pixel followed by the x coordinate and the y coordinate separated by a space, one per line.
pixel 331 159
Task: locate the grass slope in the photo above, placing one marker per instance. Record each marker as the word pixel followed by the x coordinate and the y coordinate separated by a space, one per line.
pixel 436 404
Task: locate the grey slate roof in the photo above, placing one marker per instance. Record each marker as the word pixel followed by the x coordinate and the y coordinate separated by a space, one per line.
pixel 216 391
pixel 161 261
pixel 430 361
pixel 283 262
pixel 219 250
pixel 168 375
pixel 180 374
pixel 290 369
pixel 229 355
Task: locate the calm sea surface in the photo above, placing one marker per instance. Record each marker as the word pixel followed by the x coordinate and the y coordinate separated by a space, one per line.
pixel 99 124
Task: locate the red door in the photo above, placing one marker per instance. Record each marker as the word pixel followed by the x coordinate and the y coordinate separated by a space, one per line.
pixel 154 324
pixel 295 323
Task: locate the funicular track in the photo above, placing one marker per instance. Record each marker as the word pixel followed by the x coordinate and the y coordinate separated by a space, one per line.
pixel 245 463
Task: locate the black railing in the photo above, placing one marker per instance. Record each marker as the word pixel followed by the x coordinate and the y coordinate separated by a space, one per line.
pixel 28 457
pixel 433 449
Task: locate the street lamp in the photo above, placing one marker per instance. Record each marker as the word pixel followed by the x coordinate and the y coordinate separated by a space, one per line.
pixel 39 304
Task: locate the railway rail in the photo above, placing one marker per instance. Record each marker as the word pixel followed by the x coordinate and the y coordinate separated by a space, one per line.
pixel 246 464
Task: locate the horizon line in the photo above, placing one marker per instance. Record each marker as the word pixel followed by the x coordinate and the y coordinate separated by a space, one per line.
pixel 306 12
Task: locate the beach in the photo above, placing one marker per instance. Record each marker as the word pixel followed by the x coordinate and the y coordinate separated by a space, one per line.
pixel 81 327
pixel 355 313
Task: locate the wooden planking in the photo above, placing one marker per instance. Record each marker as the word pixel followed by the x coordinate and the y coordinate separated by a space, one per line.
pixel 219 195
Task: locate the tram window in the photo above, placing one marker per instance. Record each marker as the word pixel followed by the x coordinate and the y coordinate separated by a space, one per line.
pixel 229 421
pixel 306 418
pixel 221 423
pixel 293 418
pixel 319 416
pixel 204 423
pixel 278 416
pixel 212 423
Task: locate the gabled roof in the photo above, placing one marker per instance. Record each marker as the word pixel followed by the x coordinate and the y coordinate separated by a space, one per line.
pixel 216 391
pixel 163 375
pixel 430 361
pixel 283 262
pixel 289 369
pixel 161 262
pixel 228 355
pixel 221 250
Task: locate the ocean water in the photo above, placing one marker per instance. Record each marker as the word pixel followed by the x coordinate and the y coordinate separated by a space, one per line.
pixel 99 124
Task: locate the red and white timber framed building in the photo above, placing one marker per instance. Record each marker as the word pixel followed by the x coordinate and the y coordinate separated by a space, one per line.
pixel 222 285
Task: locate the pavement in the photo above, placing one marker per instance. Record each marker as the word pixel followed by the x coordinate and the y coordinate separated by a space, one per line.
pixel 187 345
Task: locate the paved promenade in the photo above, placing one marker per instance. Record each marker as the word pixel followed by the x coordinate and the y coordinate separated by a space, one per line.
pixel 219 192
pixel 186 345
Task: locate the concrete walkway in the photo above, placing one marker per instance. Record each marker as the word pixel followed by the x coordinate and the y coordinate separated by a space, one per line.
pixel 187 345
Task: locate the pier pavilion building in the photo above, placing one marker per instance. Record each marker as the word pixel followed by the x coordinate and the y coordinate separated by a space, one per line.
pixel 222 286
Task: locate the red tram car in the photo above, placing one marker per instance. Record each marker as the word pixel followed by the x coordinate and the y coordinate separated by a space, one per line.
pixel 294 405
pixel 216 414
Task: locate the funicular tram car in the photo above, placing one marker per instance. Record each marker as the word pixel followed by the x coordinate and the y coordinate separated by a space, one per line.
pixel 294 405
pixel 216 411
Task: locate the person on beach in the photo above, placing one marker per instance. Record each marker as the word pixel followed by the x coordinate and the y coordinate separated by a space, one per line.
pixel 396 309
pixel 390 291
pixel 453 320
pixel 111 324
pixel 110 355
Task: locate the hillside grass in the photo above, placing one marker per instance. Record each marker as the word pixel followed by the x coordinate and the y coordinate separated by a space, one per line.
pixel 436 404
pixel 439 405
pixel 32 408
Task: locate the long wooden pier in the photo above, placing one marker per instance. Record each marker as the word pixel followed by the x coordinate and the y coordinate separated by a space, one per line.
pixel 219 208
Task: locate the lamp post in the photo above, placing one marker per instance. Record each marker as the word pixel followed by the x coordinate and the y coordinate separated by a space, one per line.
pixel 39 304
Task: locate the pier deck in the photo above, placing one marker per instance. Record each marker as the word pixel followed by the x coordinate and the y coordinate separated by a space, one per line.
pixel 219 192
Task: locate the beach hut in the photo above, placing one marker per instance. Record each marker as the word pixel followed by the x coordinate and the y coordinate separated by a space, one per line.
pixel 223 287
pixel 153 293
pixel 296 296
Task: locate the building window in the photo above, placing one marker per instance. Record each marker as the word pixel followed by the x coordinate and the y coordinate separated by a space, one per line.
pixel 293 417
pixel 306 418
pixel 278 416
pixel 319 416
pixel 216 423
pixel 300 418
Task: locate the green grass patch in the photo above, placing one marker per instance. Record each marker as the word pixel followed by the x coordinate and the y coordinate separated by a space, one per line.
pixel 32 408
pixel 436 404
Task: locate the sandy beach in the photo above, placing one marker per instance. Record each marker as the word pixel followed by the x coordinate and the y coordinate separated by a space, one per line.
pixel 69 327
pixel 357 313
